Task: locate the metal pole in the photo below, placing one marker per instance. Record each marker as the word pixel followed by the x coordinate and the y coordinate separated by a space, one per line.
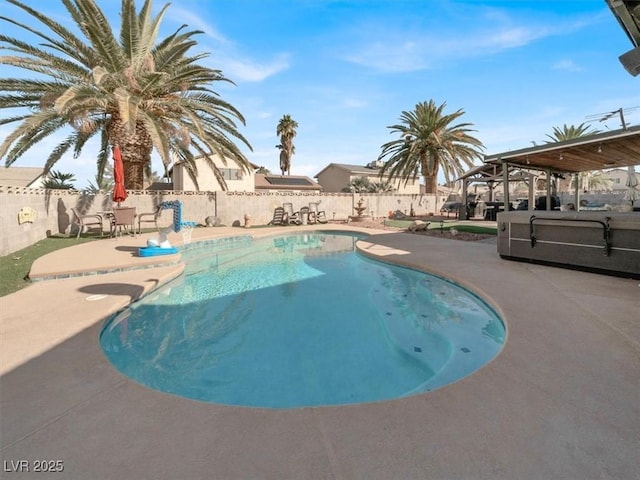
pixel 624 125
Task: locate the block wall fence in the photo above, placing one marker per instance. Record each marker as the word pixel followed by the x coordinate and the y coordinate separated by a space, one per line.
pixel 53 208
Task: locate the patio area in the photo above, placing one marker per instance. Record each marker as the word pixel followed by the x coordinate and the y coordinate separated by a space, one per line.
pixel 559 402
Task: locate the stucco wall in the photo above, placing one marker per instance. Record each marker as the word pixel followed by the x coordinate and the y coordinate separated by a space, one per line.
pixel 53 210
pixel 53 214
pixel 207 180
pixel 335 179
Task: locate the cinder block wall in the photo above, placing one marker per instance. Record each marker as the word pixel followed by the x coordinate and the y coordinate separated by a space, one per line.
pixel 54 216
pixel 232 206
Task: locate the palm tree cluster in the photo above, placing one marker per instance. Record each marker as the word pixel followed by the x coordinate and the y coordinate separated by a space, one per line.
pixel 145 93
pixel 364 185
pixel 136 91
pixel 286 129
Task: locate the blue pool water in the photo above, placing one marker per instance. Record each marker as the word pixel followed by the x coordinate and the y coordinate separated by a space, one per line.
pixel 301 320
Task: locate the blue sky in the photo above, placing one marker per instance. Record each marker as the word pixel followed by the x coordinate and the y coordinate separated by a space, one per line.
pixel 345 70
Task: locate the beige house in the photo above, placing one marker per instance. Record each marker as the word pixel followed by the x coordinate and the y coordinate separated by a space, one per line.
pixel 32 177
pixel 618 177
pixel 335 177
pixel 236 179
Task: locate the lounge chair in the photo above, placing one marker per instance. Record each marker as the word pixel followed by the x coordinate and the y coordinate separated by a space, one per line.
pixel 278 216
pixel 123 218
pixel 290 217
pixel 87 221
pixel 315 215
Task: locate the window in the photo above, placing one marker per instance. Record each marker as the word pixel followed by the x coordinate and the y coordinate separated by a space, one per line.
pixel 231 173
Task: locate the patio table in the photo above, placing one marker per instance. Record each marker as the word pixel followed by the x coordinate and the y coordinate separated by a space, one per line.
pixel 121 219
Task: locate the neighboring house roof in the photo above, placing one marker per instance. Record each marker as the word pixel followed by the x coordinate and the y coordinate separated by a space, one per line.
pixel 284 182
pixel 353 169
pixel 20 176
pixel 160 186
pixel 231 163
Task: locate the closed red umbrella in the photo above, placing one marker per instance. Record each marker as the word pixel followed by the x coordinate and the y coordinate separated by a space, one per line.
pixel 119 192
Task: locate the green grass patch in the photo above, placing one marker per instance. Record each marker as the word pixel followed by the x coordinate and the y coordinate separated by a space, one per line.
pixel 467 228
pixel 15 267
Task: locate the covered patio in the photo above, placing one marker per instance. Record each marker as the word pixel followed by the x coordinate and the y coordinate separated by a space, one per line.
pixel 606 241
pixel 611 149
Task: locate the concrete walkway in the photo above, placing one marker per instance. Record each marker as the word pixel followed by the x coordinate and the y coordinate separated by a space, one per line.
pixel 559 402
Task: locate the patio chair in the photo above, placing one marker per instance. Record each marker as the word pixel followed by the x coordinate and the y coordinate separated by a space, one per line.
pixel 304 215
pixel 316 216
pixel 148 217
pixel 278 216
pixel 86 221
pixel 123 218
pixel 290 217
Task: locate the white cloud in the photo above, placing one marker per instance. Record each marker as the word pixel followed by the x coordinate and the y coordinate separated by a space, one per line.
pixel 568 65
pixel 386 57
pixel 226 57
pixel 195 22
pixel 244 69
pixel 354 103
pixel 509 37
pixel 397 48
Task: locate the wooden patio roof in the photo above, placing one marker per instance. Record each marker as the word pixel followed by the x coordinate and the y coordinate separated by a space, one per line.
pixel 612 149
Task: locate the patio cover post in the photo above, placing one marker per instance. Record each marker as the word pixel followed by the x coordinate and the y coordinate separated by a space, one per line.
pixel 505 181
pixel 465 185
pixel 532 191
pixel 548 172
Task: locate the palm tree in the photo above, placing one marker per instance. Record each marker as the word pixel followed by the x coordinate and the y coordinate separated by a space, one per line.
pixel 358 185
pixel 104 183
pixel 381 187
pixel 569 132
pixel 59 181
pixel 133 91
pixel 429 141
pixel 591 181
pixel 287 131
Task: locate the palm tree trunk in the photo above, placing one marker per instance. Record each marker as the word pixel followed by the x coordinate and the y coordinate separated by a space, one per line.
pixel 136 150
pixel 133 174
pixel 430 184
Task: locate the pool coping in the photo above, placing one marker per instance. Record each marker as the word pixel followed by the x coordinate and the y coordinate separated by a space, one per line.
pixel 560 400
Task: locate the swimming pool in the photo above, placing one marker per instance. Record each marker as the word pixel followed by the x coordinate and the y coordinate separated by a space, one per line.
pixel 300 320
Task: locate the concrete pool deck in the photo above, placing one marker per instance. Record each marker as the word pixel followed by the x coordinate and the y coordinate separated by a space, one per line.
pixel 559 402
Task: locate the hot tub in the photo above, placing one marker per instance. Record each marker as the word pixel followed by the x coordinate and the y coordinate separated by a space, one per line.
pixel 603 241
